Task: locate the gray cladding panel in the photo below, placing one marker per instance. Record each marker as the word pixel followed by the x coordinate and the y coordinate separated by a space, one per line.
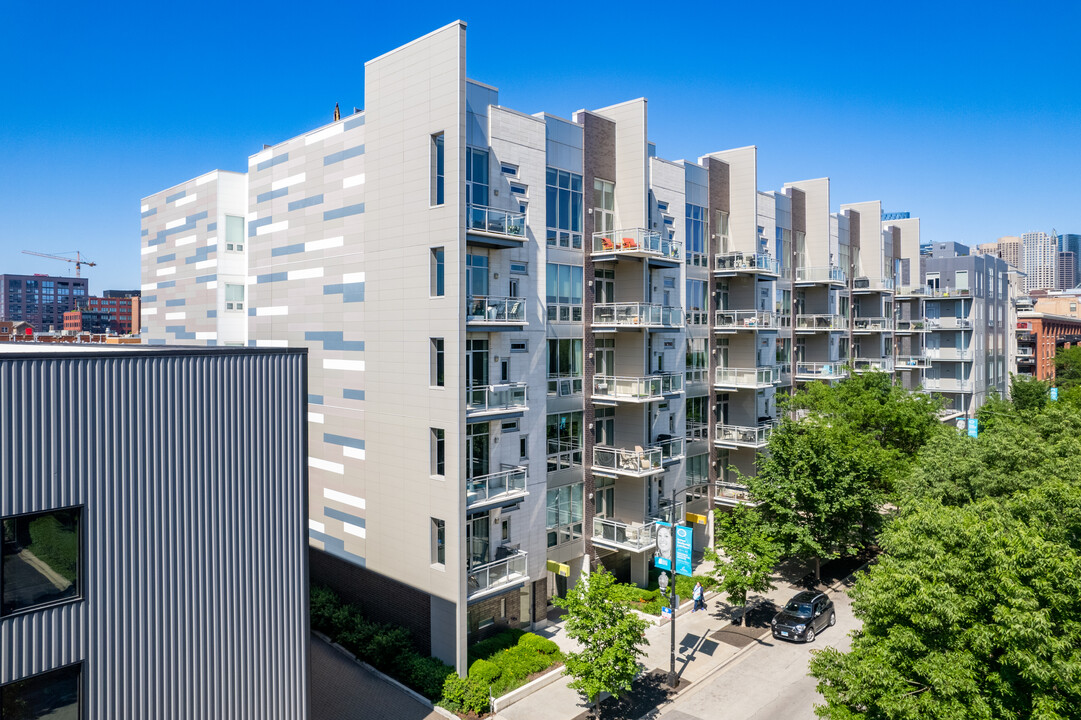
pixel 192 474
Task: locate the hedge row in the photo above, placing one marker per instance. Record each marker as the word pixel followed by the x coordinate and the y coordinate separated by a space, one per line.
pixel 386 647
pixel 502 663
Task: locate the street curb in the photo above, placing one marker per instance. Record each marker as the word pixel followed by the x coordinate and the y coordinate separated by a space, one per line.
pixel 386 678
pixel 518 694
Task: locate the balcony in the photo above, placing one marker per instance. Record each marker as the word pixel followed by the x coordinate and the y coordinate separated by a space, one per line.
pixel 912 362
pixel 740 263
pixel 485 312
pixel 753 436
pixel 911 326
pixel 872 324
pixel 941 353
pixel 821 323
pixel 821 371
pixel 635 315
pixel 947 293
pixel 637 242
pixel 502 572
pixel 869 284
pixel 636 537
pixel 831 275
pixel 784 371
pixel 633 463
pixel 491 227
pixel 499 487
pixel 671 449
pixel 697 430
pixel 732 494
pixel 862 365
pixel 637 389
pixel 749 378
pixel 495 399
pixel 911 291
pixel 1026 352
pixel 736 320
pixel 949 323
pixel 951 385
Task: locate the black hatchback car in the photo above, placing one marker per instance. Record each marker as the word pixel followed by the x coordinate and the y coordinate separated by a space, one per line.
pixel 805 615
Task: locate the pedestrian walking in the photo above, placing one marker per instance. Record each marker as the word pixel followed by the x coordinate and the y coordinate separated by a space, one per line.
pixel 699 600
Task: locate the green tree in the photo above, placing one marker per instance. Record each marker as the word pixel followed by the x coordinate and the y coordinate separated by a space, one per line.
pixel 611 636
pixel 971 612
pixel 1028 394
pixel 1068 367
pixel 820 487
pixel 747 553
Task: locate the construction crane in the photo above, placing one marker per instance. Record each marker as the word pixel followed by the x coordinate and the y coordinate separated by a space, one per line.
pixel 79 261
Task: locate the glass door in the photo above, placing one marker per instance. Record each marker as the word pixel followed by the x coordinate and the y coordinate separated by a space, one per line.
pixel 477 539
pixel 476 362
pixel 477 450
pixel 606 356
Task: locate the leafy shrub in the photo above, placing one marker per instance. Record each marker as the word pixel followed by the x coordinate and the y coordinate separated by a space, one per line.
pixel 484 672
pixel 486 648
pixel 388 645
pixel 428 675
pixel 454 692
pixel 476 697
pixel 538 644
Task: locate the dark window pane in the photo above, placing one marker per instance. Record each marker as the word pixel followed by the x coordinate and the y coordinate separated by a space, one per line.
pixel 53 695
pixel 41 554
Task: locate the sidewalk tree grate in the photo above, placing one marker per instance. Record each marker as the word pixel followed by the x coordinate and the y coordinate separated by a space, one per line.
pixel 648 693
pixel 737 635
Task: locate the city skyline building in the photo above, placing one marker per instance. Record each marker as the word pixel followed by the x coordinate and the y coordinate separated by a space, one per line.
pixel 40 300
pixel 1041 261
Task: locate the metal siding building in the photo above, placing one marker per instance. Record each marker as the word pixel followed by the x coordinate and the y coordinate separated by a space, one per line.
pixel 189 466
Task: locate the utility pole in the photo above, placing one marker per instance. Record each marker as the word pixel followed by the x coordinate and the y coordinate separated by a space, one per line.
pixel 672 679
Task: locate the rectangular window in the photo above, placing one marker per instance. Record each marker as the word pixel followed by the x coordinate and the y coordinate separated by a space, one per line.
pixel 523 447
pixel 234 233
pixel 696 302
pixel 604 206
pixel 53 694
pixel 508 169
pixel 565 367
pixel 476 177
pixel 439 452
pixel 40 559
pixel 564 512
pixel 437 286
pixel 695 242
pixel 439 542
pixel 508 426
pixel 438 169
pixel 234 297
pixel 564 208
pixel 961 277
pixel 519 346
pixel 564 435
pixel 437 363
pixel 564 292
pixel 519 268
pixel 517 189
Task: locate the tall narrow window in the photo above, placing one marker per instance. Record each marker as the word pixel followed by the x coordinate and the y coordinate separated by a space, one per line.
pixel 234 233
pixel 695 241
pixel 438 168
pixel 439 541
pixel 604 206
pixel 234 297
pixel 437 363
pixel 476 177
pixel 438 276
pixel 439 451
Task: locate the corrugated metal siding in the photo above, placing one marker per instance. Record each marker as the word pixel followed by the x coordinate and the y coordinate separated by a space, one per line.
pixel 191 468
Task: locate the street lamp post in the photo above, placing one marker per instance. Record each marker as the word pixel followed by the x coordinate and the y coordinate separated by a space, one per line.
pixel 672 679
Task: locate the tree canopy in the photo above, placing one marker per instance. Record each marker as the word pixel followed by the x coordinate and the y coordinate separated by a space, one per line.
pixel 1068 367
pixel 746 553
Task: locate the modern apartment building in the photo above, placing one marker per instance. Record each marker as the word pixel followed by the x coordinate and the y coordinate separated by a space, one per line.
pixel 1066 271
pixel 1041 261
pixel 1071 242
pixel 530 338
pixel 40 300
pixel 152 503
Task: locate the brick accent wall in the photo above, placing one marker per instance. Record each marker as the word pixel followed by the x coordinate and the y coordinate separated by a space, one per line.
pixel 492 607
pixel 540 599
pixel 381 598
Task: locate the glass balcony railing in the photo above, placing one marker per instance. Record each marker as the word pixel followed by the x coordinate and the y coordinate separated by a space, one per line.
pixel 697 430
pixel 696 374
pixel 754 436
pixel 741 262
pixel 634 536
pixel 497 485
pixel 872 365
pixel 497 310
pixel 874 284
pixel 565 385
pixel 821 323
pixel 637 314
pixel 761 377
pixel 872 324
pixel 908 326
pixel 830 274
pixel 910 362
pixel 671 449
pixel 500 572
pixel 746 320
pixel 948 385
pixel 563 454
pixel 491 398
pixel 821 371
pixel 731 492
pixel 637 389
pixel 638 242
pixel 1026 352
pixel 941 353
pixel 949 323
pixel 500 222
pixel 627 462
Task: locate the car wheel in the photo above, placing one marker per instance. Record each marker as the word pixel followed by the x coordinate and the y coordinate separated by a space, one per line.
pixel 833 619
pixel 810 635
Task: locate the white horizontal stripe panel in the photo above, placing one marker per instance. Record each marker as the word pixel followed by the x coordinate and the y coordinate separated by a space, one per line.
pixel 324 244
pixel 186 240
pixel 286 182
pixel 149 311
pixel 331 364
pixel 273 310
pixel 175 223
pixel 206 336
pixel 144 207
pixel 353 529
pixel 208 178
pixel 149 250
pixel 253 216
pixel 175 316
pixel 202 264
pixel 316 525
pixel 336 468
pixel 272 343
pixel 351 452
pixel 344 498
pixel 186 200
pixel 261 156
pixel 305 274
pixel 148 286
pixel 212 285
pixel 166 271
pixel 353 277
pixel 353 181
pixel 315 417
pixel 272 227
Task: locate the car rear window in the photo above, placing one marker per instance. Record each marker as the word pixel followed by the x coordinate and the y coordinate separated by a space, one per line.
pixel 798 608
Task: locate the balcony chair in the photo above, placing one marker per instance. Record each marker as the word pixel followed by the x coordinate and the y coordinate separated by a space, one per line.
pixel 607 244
pixel 629 244
pixel 642 457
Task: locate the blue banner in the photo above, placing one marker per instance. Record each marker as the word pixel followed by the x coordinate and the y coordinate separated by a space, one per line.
pixel 1054 393
pixel 663 556
pixel 684 548
pixel 973 427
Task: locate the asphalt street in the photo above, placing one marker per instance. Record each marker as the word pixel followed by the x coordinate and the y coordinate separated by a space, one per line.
pixel 769 682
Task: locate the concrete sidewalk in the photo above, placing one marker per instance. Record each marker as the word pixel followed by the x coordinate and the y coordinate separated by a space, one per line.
pixel 698 650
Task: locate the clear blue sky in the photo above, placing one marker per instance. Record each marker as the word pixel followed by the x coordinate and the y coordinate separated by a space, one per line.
pixel 968 116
